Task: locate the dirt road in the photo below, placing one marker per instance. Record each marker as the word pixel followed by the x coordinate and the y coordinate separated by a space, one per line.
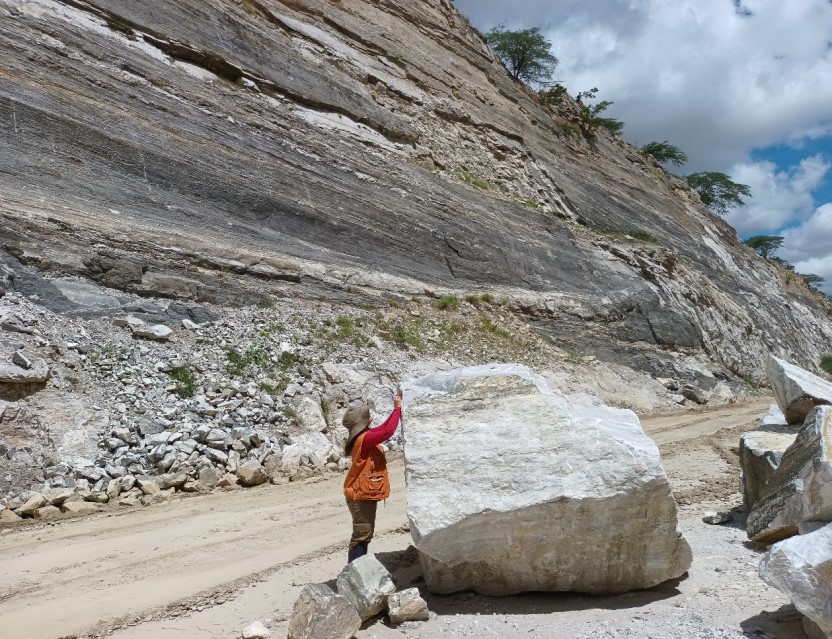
pixel 204 567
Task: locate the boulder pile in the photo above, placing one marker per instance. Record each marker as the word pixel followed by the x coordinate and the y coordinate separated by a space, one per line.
pixel 123 412
pixel 365 590
pixel 787 486
pixel 801 567
pixel 786 467
pixel 512 487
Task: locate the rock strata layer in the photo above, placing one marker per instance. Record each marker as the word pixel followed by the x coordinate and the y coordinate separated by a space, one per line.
pixel 513 487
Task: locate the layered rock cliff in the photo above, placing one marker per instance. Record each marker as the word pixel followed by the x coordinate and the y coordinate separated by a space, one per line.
pixel 220 150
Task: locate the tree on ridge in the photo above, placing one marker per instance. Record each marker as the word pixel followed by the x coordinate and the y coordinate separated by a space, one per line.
pixel 526 53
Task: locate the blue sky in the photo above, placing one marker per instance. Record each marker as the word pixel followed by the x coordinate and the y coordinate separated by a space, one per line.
pixel 743 87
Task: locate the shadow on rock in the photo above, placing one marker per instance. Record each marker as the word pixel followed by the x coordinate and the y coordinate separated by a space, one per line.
pixel 536 603
pixel 783 623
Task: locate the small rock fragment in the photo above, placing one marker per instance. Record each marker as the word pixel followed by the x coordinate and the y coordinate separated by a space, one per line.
pixel 256 630
pixel 407 605
pixel 20 358
pixel 715 518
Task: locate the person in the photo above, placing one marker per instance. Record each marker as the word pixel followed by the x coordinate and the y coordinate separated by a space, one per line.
pixel 367 482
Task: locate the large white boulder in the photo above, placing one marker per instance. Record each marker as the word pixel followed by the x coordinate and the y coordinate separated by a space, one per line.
pixel 366 584
pixel 800 489
pixel 797 390
pixel 321 613
pixel 801 568
pixel 761 451
pixel 512 487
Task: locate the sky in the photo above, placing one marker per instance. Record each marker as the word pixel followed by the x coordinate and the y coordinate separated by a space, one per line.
pixel 742 86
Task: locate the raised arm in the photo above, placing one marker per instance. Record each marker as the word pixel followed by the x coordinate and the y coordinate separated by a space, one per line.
pixel 376 436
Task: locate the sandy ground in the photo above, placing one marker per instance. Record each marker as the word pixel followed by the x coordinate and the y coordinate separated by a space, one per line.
pixel 206 566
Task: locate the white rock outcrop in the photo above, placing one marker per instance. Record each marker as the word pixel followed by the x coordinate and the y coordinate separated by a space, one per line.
pixel 512 487
pixel 760 453
pixel 366 584
pixel 800 489
pixel 801 568
pixel 321 613
pixel 797 390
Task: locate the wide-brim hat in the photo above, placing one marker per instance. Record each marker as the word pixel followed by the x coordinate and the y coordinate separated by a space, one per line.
pixel 357 420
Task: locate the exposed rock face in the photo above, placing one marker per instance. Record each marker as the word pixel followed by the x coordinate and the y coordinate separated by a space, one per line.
pixel 760 454
pixel 800 490
pixel 801 568
pixel 797 391
pixel 366 584
pixel 327 138
pixel 512 487
pixel 321 613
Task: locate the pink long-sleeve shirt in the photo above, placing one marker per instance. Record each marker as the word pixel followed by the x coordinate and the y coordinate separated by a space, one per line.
pixel 382 433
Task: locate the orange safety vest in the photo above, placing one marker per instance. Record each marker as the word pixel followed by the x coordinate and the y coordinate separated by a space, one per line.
pixel 367 478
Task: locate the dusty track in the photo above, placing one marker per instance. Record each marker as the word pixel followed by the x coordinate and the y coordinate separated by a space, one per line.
pixel 205 565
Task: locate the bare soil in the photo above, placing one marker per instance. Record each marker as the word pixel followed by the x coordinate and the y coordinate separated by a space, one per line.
pixel 206 566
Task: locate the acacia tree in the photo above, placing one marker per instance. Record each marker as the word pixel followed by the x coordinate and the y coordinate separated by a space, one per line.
pixel 665 152
pixel 591 117
pixel 765 245
pixel 812 281
pixel 526 53
pixel 718 191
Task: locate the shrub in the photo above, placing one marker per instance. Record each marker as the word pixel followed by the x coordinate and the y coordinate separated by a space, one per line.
pixel 826 363
pixel 473 180
pixel 448 303
pixel 644 236
pixel 665 152
pixel 185 380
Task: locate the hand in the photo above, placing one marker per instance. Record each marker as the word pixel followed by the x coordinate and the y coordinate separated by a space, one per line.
pixel 397 401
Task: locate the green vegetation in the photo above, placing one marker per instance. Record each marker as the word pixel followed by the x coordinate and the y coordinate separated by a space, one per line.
pixel 489 326
pixel 239 362
pixel 530 203
pixel 265 303
pixel 270 388
pixel 473 180
pixel 185 380
pixel 482 298
pixel 590 116
pixel 782 263
pixel 812 281
pixel 554 96
pixel 665 152
pixel 765 245
pixel 448 303
pixel 718 191
pixel 826 363
pixel 643 236
pixel 526 54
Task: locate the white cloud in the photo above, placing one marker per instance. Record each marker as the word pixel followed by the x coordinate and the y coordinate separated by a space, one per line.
pixel 778 197
pixel 696 72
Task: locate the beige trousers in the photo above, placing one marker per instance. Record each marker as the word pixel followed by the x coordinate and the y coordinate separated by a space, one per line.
pixel 363 520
